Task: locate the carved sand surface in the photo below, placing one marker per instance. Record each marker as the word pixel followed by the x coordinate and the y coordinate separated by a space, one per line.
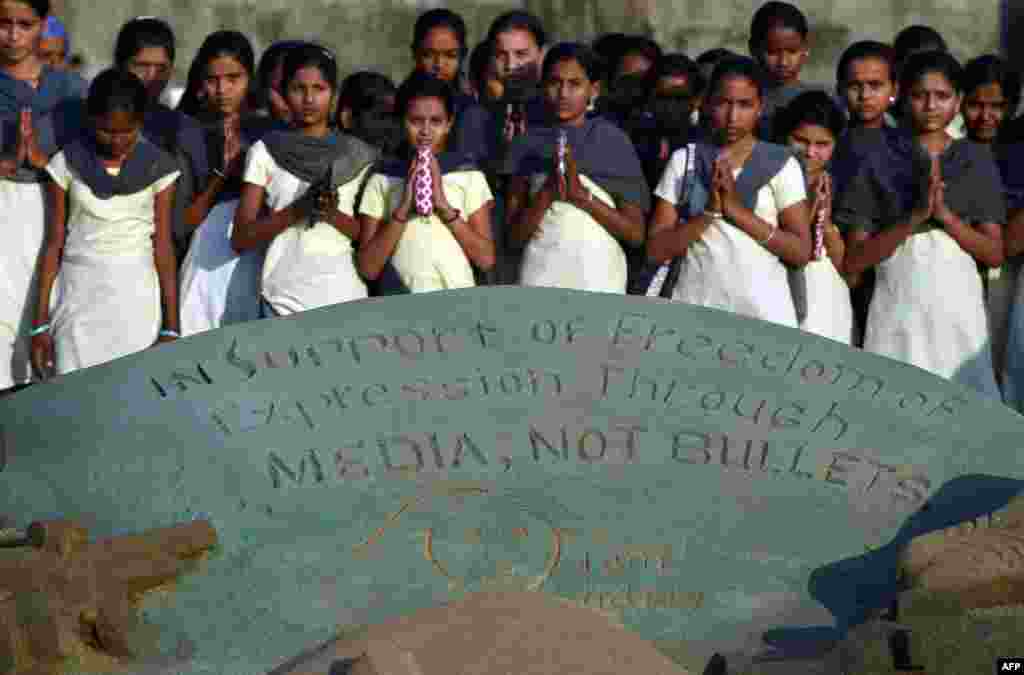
pixel 715 483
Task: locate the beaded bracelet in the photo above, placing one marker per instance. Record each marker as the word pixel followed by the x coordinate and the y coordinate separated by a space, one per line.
pixel 39 330
pixel 170 333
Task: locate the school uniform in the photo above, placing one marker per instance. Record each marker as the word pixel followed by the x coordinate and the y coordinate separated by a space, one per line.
pixel 428 257
pixel 726 268
pixel 106 302
pixel 570 249
pixel 220 286
pixel 928 306
pixel 829 310
pixel 57 111
pixel 309 264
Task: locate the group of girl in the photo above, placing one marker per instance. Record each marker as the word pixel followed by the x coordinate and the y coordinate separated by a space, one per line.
pixel 877 218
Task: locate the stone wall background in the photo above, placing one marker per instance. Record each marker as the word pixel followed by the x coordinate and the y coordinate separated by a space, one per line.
pixel 376 34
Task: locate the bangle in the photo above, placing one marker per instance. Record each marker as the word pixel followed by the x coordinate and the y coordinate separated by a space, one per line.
pixel 219 174
pixel 170 333
pixel 456 214
pixel 40 329
pixel 714 215
pixel 771 235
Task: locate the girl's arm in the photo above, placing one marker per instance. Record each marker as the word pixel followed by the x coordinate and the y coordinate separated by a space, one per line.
pixel 984 243
pixel 791 240
pixel 835 247
pixel 525 213
pixel 1014 235
pixel 253 229
pixel 668 238
pixel 163 252
pixel 474 235
pixel 53 248
pixel 865 250
pixel 378 238
pixel 625 223
pixel 201 206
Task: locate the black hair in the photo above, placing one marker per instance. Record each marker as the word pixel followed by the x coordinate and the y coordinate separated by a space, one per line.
pixel 366 95
pixel 440 18
pixel 269 60
pixel 609 46
pixel 141 33
pixel 680 65
pixel 707 61
pixel 776 14
pixel 230 43
pixel 518 19
pixel 866 49
pixel 923 63
pixel 116 90
pixel 635 44
pixel 990 69
pixel 812 107
pixel 574 51
pixel 424 85
pixel 40 7
pixel 309 54
pixel 917 38
pixel 365 89
pixel 479 60
pixel 738 66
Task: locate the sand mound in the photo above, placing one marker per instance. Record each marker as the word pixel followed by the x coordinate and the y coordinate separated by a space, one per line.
pixel 514 633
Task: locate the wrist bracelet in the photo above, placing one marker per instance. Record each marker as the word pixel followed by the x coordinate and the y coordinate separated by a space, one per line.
pixel 170 333
pixel 714 215
pixel 219 173
pixel 456 214
pixel 771 235
pixel 40 329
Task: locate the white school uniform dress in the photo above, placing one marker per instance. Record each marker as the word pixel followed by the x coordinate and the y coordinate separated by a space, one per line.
pixel 572 250
pixel 428 257
pixel 928 309
pixel 23 209
pixel 219 286
pixel 305 267
pixel 106 301
pixel 829 308
pixel 728 269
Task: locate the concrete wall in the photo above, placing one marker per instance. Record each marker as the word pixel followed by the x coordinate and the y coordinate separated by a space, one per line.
pixel 376 33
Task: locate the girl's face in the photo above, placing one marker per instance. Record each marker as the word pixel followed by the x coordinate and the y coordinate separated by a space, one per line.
pixel 20 28
pixel 783 54
pixel 439 54
pixel 225 86
pixel 153 66
pixel 734 108
pixel 984 111
pixel 933 103
pixel 427 123
pixel 569 91
pixel 309 97
pixel 634 63
pixel 116 133
pixel 814 143
pixel 514 51
pixel 869 90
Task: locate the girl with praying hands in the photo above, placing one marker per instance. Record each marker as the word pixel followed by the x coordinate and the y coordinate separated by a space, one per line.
pixel 927 210
pixel 575 211
pixel 733 209
pixel 444 240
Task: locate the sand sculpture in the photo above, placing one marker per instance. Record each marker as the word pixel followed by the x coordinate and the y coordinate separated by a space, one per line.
pixel 66 603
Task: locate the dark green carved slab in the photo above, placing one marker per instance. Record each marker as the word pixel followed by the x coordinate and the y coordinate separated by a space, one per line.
pixel 725 484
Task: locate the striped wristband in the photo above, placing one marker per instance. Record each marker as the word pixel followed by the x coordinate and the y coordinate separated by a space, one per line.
pixel 40 329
